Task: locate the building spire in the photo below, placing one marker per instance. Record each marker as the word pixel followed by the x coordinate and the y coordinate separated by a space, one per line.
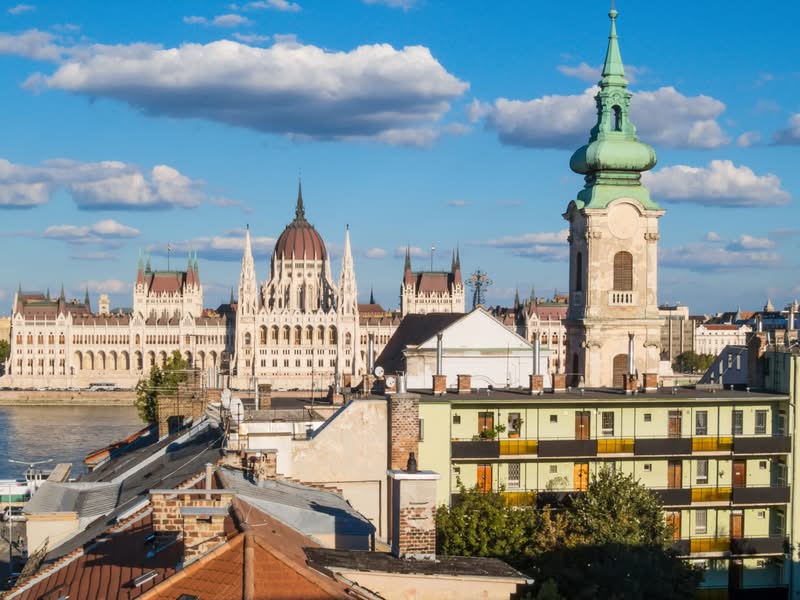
pixel 613 69
pixel 300 211
pixel 62 296
pixel 371 295
pixel 348 292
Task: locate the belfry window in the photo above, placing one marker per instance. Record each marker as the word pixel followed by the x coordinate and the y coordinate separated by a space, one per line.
pixel 578 272
pixel 623 271
pixel 617 117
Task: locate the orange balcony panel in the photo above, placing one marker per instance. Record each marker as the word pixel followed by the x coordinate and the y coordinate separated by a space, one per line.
pixel 515 447
pixel 712 444
pixel 711 494
pixel 617 446
pixel 710 545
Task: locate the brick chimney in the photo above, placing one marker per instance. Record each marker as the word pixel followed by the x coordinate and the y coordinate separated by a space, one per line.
pixel 439 385
pixel 198 515
pixel 464 384
pixel 413 512
pixel 403 428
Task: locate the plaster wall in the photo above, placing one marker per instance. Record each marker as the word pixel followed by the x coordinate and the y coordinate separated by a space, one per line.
pixel 439 587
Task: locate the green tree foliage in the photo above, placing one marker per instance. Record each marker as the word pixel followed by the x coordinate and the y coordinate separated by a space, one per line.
pixel 611 542
pixel 4 351
pixel 691 362
pixel 162 380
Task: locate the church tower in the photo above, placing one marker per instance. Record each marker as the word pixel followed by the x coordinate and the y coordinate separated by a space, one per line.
pixel 613 327
pixel 246 312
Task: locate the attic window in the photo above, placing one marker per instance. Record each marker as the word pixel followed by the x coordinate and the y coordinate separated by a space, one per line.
pixel 617 117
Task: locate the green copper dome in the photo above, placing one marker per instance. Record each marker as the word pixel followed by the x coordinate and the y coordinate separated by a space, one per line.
pixel 614 157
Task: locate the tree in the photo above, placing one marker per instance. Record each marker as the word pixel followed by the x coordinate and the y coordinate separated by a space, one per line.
pixel 4 352
pixel 691 362
pixel 162 380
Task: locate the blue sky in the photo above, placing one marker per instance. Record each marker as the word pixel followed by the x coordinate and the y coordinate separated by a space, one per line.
pixel 131 125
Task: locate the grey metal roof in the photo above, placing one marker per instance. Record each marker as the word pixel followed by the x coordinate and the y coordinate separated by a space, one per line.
pixel 87 499
pixel 306 509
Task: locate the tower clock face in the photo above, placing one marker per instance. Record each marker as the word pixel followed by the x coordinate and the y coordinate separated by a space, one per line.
pixel 623 221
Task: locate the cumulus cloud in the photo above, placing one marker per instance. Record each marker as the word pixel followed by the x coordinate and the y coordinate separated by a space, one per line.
pixel 748 242
pixel 97 186
pixel 227 20
pixel 374 92
pixel 712 257
pixel 376 253
pixel 592 74
pixel 404 4
pixel 748 138
pixel 713 236
pixel 721 183
pixel 225 248
pixel 251 38
pixel 790 134
pixel 664 117
pixel 546 246
pixel 99 232
pixel 281 5
pixel 21 8
pixel 108 286
pixel 414 251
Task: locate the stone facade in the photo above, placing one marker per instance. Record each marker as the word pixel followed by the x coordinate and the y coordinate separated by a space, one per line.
pixel 424 292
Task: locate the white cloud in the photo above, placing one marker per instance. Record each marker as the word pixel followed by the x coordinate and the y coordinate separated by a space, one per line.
pixel 713 236
pixel 227 20
pixel 96 186
pixel 790 135
pixel 710 257
pixel 94 256
pixel 372 92
pixel 414 251
pixel 546 246
pixel 720 184
pixel 376 253
pixel 477 110
pixel 404 4
pixel 21 8
pixel 108 286
pixel 592 74
pixel 748 242
pixel 35 44
pixel 748 138
pixel 281 5
pixel 95 233
pixel 251 38
pixel 229 203
pixel 227 247
pixel 664 117
pixel 458 203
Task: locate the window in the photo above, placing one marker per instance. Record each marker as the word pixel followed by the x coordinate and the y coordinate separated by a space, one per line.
pixel 617 117
pixel 762 464
pixel 648 467
pixel 578 272
pixel 608 423
pixel 761 422
pixel 700 520
pixel 761 514
pixel 701 422
pixel 648 417
pixel 623 271
pixel 554 418
pixel 702 471
pixel 513 475
pixel 514 423
pixel 737 422
pixel 782 422
pixel 553 468
pixel 456 419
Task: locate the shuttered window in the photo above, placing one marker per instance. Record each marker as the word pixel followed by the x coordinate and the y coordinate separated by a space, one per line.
pixel 623 271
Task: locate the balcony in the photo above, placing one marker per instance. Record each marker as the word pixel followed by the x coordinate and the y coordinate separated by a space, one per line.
pixel 618 298
pixel 662 447
pixel 567 448
pixel 479 449
pixel 712 444
pixel 521 498
pixel 513 447
pixel 772 444
pixel 675 496
pixel 711 494
pixel 761 495
pixel 759 546
pixel 710 544
pixel 619 446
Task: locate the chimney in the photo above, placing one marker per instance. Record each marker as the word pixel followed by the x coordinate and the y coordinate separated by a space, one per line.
pixel 537 380
pixel 370 353
pixel 413 511
pixel 439 353
pixel 403 428
pixel 464 384
pixel 439 385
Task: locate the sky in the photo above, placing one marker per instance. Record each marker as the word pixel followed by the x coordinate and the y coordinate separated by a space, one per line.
pixel 129 127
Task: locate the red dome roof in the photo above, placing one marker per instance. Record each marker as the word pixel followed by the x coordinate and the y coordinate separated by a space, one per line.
pixel 300 240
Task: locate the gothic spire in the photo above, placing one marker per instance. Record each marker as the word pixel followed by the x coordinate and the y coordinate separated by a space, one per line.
pixel 348 293
pixel 300 211
pixel 61 296
pixel 371 295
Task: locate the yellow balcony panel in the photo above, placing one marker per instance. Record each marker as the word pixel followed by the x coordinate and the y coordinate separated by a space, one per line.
pixel 519 498
pixel 617 446
pixel 513 447
pixel 710 545
pixel 711 494
pixel 712 444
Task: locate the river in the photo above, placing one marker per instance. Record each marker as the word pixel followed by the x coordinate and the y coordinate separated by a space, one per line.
pixel 63 433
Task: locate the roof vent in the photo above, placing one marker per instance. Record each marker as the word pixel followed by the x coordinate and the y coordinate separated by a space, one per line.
pixel 142 579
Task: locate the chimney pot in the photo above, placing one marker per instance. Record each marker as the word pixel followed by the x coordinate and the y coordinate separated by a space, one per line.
pixel 411 465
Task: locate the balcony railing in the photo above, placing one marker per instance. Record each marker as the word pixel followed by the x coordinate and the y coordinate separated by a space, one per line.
pixel 750 546
pixel 514 447
pixel 712 444
pixel 616 298
pixel 567 448
pixel 662 446
pixel 521 498
pixel 617 446
pixel 675 496
pixel 711 494
pixel 710 544
pixel 761 495
pixel 479 449
pixel 770 444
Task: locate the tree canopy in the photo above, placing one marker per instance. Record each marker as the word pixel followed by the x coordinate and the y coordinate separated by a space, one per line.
pixel 610 542
pixel 691 362
pixel 4 352
pixel 162 380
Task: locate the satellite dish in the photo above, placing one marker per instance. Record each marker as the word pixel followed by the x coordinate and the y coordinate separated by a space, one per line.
pixel 390 381
pixel 378 371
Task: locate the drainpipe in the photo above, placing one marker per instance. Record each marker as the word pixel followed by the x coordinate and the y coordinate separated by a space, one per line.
pixel 370 353
pixel 535 353
pixel 631 361
pixel 439 353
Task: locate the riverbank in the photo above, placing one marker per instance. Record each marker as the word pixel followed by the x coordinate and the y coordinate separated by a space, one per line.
pixel 66 398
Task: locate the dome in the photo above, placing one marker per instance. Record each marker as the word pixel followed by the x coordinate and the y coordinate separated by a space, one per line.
pixel 300 240
pixel 613 155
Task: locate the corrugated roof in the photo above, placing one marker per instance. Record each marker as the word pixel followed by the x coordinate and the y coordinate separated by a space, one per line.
pixel 87 499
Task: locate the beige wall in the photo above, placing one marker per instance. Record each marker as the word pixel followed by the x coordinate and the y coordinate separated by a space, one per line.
pixel 55 527
pixel 440 587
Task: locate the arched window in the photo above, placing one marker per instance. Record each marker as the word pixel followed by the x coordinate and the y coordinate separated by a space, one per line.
pixel 298 333
pixel 617 118
pixel 273 334
pixel 263 335
pixel 332 335
pixel 347 338
pixel 247 339
pixel 623 271
pixel 578 272
pixel 285 334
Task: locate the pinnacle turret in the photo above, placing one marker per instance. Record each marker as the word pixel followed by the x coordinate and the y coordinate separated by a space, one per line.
pixel 300 211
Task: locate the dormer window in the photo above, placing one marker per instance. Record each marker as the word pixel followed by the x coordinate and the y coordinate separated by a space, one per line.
pixel 617 117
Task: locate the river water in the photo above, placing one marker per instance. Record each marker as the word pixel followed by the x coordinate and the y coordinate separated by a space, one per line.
pixel 63 433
